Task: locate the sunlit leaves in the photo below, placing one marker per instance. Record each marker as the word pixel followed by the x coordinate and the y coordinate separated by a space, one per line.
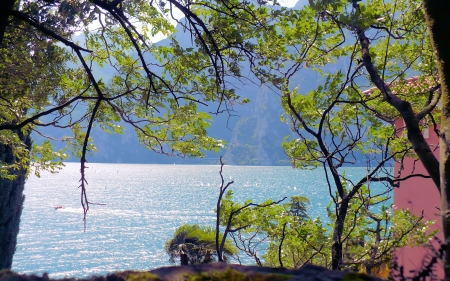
pixel 14 155
pixel 32 78
pixel 308 240
pixel 117 74
pixel 337 109
pixel 44 158
pixel 343 120
pixel 183 131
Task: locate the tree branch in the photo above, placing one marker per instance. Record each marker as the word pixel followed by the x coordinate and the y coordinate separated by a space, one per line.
pixel 415 136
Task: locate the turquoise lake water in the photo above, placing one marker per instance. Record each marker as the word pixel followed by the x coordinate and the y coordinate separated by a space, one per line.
pixel 144 205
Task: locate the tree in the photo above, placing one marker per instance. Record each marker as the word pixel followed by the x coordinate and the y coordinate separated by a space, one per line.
pixel 277 236
pixel 339 123
pixel 235 217
pixel 157 90
pixel 371 237
pixel 31 67
pixel 196 244
pixel 258 227
pixel 434 13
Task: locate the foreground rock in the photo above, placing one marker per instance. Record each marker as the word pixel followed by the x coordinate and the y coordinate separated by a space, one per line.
pixel 212 272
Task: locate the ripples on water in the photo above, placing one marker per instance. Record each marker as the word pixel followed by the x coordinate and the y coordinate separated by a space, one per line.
pixel 144 205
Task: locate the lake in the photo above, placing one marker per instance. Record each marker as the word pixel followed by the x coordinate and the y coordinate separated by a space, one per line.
pixel 144 204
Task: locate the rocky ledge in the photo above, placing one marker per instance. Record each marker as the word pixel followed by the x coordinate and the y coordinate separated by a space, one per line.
pixel 212 272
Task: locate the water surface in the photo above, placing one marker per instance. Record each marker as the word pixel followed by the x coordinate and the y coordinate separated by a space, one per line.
pixel 144 204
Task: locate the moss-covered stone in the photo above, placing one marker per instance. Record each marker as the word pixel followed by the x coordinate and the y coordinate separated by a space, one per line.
pixel 133 276
pixel 231 274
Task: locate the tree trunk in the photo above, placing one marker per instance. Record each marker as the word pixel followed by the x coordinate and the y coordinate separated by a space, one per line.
pixel 5 9
pixel 11 203
pixel 184 260
pixel 11 191
pixel 436 14
pixel 336 247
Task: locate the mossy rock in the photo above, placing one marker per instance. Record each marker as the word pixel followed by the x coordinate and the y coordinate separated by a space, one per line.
pixel 231 274
pixel 132 276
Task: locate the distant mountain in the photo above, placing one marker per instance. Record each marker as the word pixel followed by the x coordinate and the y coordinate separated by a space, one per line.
pixel 256 138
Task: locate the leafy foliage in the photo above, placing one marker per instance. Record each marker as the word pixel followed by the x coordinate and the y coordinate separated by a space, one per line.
pixel 377 66
pixel 277 235
pixel 49 78
pixel 31 69
pixel 198 242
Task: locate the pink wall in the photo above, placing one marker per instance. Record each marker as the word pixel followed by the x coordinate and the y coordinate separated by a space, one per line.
pixel 418 195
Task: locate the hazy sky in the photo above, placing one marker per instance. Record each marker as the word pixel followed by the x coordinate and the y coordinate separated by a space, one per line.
pixel 288 3
pixel 159 36
pixel 285 3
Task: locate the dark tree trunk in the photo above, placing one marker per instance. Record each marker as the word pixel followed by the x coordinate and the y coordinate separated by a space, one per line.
pixel 11 191
pixel 184 260
pixel 336 247
pixel 436 14
pixel 5 8
pixel 11 203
